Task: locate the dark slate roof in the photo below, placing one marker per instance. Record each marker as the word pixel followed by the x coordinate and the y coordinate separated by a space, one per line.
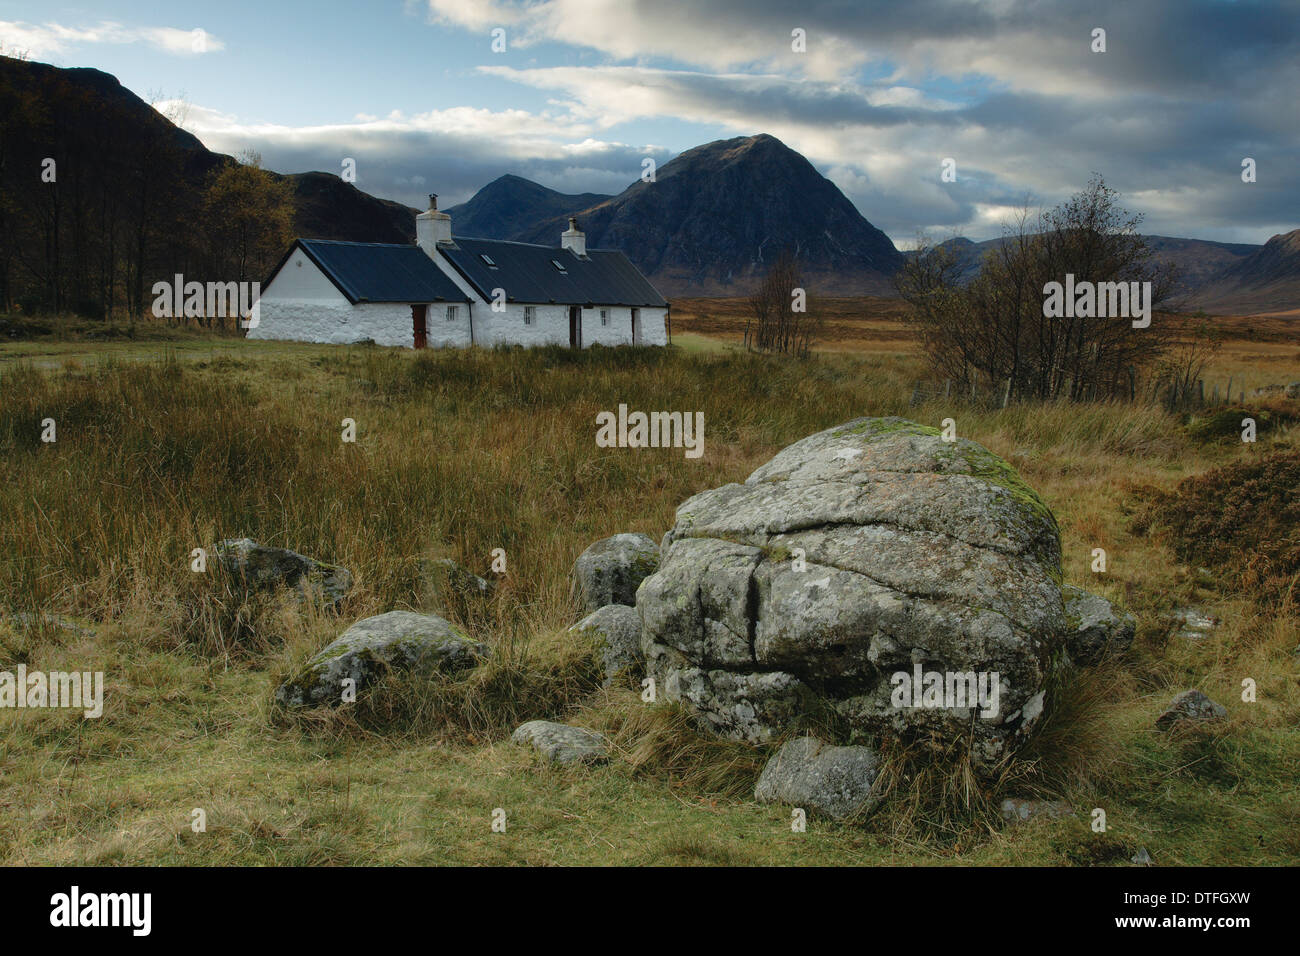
pixel 378 271
pixel 526 273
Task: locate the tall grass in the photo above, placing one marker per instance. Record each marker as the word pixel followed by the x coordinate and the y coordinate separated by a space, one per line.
pixel 462 452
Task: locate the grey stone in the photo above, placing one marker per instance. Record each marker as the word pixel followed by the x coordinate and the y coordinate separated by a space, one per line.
pixel 1293 390
pixel 399 640
pixel 562 743
pixel 266 568
pixel 616 629
pixel 460 579
pixel 1193 623
pixel 611 570
pixel 915 551
pixel 1018 810
pixel 43 619
pixel 451 588
pixel 1096 629
pixel 810 774
pixel 1190 705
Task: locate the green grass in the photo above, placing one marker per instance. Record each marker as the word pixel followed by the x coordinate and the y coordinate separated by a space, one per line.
pixel 462 452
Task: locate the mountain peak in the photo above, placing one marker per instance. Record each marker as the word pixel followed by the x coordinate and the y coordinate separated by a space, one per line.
pixel 711 221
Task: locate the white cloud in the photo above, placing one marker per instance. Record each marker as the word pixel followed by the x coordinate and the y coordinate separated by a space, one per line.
pixel 48 40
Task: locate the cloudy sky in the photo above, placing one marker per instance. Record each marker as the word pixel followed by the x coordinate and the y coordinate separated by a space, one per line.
pixel 577 92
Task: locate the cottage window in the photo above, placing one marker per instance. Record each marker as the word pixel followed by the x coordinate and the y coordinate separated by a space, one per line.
pixel 452 311
pixel 604 316
pixel 530 314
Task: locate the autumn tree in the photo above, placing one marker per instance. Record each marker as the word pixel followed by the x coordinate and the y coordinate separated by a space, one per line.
pixel 248 213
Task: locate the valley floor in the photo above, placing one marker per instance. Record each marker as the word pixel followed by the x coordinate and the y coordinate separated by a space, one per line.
pixel 168 445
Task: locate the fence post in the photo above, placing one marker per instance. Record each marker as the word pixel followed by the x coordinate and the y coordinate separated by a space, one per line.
pixel 1006 395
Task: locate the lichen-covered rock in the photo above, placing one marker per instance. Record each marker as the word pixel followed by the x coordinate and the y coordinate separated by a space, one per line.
pixel 266 568
pixel 399 640
pixel 807 773
pixel 1190 705
pixel 1193 623
pixel 1096 629
pixel 1293 390
pixel 863 552
pixel 1015 810
pixel 616 629
pixel 43 620
pixel 462 580
pixel 610 571
pixel 562 743
pixel 451 588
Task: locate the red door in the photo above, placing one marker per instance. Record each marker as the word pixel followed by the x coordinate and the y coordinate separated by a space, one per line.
pixel 420 329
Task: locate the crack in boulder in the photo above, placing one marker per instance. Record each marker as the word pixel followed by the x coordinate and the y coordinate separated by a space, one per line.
pixel 961 576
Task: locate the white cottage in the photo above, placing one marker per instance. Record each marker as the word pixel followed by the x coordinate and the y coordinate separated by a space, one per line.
pixel 456 291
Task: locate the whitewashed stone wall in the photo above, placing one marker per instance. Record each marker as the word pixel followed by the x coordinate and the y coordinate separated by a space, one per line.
pixel 550 327
pixel 343 323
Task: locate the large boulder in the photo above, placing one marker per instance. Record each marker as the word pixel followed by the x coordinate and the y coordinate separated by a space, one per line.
pixel 857 562
pixel 610 571
pixel 265 568
pixel 1096 629
pixel 616 630
pixel 835 781
pixel 398 640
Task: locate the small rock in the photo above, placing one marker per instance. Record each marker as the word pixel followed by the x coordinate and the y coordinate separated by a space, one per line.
pixel 1293 390
pixel 461 579
pixel 1190 705
pixel 562 743
pixel 1095 627
pixel 268 568
pixel 401 640
pixel 1194 623
pixel 617 630
pixel 451 588
pixel 41 619
pixel 836 781
pixel 1016 810
pixel 610 571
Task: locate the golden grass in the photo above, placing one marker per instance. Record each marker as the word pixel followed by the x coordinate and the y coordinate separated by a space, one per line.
pixel 459 453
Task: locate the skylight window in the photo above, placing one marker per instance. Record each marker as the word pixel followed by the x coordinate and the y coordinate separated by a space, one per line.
pixel 559 265
pixel 487 259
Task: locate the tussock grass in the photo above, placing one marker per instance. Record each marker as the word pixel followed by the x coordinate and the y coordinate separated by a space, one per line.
pixel 461 452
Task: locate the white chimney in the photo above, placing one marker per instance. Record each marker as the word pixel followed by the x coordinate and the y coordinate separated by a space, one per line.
pixel 432 227
pixel 574 238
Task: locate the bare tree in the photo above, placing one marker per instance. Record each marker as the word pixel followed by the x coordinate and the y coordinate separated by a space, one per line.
pixel 783 317
pixel 996 333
